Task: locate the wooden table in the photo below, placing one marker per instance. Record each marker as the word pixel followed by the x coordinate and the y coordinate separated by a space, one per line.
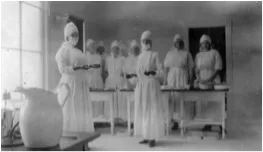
pixel 201 96
pixel 107 96
pixel 70 141
pixel 129 93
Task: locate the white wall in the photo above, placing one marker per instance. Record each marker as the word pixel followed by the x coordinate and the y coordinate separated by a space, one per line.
pixel 244 53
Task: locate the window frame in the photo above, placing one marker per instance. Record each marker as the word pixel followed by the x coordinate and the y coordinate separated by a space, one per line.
pixel 44 9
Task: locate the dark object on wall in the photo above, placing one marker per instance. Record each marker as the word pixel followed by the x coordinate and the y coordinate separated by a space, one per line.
pixel 79 23
pixel 218 38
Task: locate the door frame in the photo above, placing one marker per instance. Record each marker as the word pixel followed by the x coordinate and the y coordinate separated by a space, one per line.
pixel 229 52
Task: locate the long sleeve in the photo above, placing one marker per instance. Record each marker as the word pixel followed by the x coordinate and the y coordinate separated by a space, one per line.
pixel 167 61
pixel 139 70
pixel 123 64
pixel 158 66
pixel 218 61
pixel 63 67
pixel 196 62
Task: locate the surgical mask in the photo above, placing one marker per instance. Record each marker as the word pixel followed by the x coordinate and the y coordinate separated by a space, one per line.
pixel 73 39
pixel 91 48
pixel 144 47
pixel 115 51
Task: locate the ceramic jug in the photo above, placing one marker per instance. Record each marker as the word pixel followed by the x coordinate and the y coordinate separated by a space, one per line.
pixel 41 117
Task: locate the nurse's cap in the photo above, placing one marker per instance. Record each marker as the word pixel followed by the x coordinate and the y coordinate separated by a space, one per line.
pixel 90 42
pixel 146 35
pixel 205 38
pixel 69 29
pixel 134 44
pixel 178 37
pixel 115 44
pixel 101 44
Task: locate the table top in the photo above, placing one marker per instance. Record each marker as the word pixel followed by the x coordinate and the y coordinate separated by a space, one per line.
pixel 69 141
pixel 183 90
pixel 102 90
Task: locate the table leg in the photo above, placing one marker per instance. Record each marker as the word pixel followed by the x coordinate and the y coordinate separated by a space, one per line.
pixel 223 116
pixel 182 117
pixel 168 119
pixel 86 147
pixel 129 115
pixel 103 109
pixel 112 115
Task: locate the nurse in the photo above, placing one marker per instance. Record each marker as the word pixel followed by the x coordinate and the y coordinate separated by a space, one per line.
pixel 149 118
pixel 179 65
pixel 114 67
pixel 130 65
pixel 94 74
pixel 77 110
pixel 208 64
pixel 94 78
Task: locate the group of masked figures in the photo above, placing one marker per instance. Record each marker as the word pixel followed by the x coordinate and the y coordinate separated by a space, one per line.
pixel 141 70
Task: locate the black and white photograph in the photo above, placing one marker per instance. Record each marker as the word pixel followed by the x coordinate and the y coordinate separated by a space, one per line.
pixel 131 75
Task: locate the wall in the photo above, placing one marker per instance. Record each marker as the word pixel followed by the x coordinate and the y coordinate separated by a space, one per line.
pixel 247 61
pixel 243 27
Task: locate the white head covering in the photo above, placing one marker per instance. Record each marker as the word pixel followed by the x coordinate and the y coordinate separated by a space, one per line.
pixel 115 44
pixel 146 35
pixel 90 42
pixel 69 29
pixel 178 37
pixel 134 44
pixel 205 38
pixel 101 43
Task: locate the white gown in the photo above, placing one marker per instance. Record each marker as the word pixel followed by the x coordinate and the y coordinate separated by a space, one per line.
pixel 130 68
pixel 77 112
pixel 95 80
pixel 114 66
pixel 94 75
pixel 179 63
pixel 207 62
pixel 149 115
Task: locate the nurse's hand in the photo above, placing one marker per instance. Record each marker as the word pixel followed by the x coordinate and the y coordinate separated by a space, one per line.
pixel 96 66
pixel 85 67
pixel 128 76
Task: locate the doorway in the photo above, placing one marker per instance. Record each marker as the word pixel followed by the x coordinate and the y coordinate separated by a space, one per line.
pixel 218 38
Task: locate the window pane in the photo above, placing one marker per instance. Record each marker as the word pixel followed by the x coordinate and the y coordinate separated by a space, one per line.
pixel 10 24
pixel 31 27
pixel 35 3
pixel 10 60
pixel 32 69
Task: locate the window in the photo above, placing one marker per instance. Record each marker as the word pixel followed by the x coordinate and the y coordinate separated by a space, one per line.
pixel 22 45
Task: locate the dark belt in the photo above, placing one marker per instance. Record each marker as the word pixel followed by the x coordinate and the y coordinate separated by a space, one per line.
pixel 129 76
pixel 148 73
